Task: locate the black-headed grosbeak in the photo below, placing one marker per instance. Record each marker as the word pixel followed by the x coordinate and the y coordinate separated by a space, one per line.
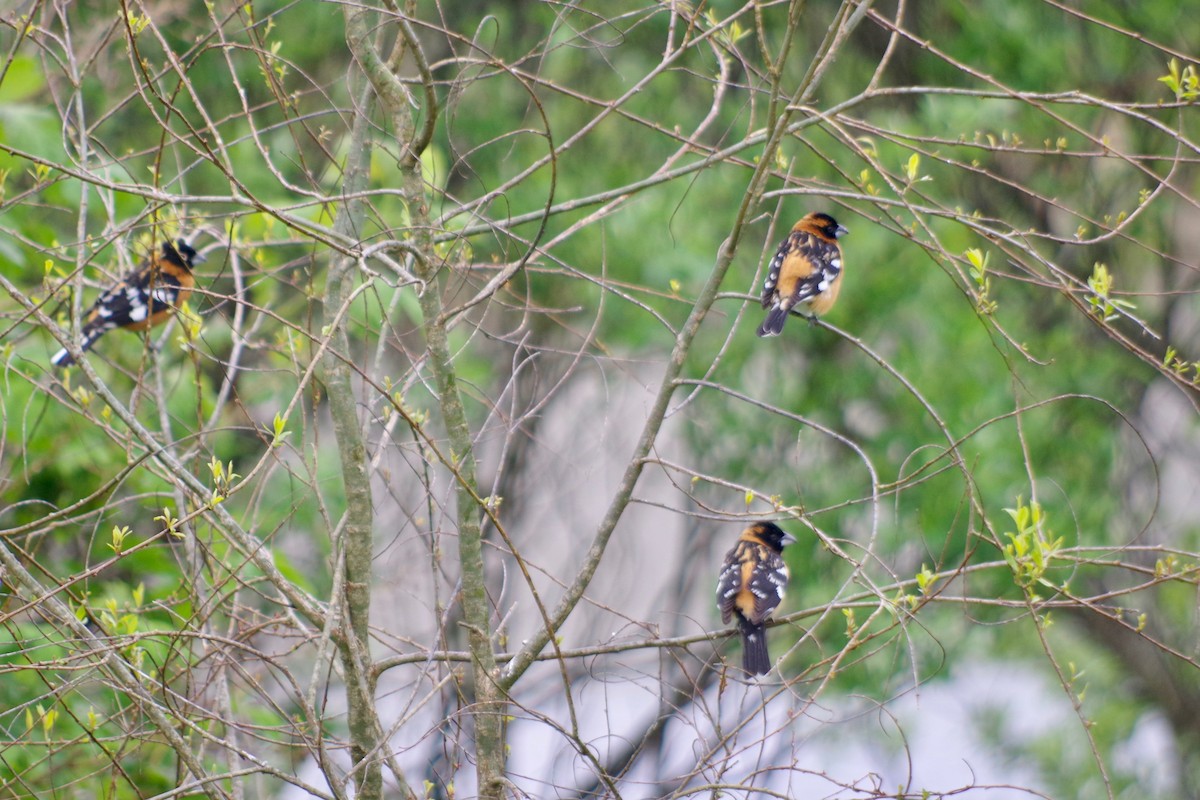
pixel 807 268
pixel 142 299
pixel 751 585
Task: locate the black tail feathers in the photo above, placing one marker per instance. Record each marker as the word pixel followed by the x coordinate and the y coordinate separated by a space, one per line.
pixel 63 359
pixel 755 659
pixel 773 324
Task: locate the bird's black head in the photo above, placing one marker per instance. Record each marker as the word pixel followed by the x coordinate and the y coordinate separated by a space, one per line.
pixel 772 535
pixel 182 254
pixel 827 226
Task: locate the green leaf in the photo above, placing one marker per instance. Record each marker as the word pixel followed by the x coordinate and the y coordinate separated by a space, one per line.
pixel 279 430
pixel 48 721
pixel 120 533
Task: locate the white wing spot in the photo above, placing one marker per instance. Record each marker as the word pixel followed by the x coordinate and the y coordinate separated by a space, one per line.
pixel 137 313
pixel 163 295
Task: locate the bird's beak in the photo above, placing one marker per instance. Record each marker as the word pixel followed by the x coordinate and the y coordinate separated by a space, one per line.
pixel 841 231
pixel 199 258
pixel 789 539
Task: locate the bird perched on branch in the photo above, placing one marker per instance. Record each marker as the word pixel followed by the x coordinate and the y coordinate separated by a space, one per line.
pixel 143 298
pixel 806 271
pixel 751 585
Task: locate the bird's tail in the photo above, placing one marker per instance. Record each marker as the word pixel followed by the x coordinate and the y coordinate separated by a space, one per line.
pixel 64 359
pixel 755 659
pixel 773 324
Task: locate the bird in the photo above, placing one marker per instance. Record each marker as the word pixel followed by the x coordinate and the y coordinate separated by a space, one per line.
pixel 806 270
pixel 143 298
pixel 751 584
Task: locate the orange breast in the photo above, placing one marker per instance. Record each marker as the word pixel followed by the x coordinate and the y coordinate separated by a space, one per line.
pixel 825 300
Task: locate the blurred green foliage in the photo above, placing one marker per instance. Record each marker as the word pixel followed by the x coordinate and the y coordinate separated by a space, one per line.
pixel 1010 161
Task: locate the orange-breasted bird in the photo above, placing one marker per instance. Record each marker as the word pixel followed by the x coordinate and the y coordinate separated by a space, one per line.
pixel 752 583
pixel 806 269
pixel 143 298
